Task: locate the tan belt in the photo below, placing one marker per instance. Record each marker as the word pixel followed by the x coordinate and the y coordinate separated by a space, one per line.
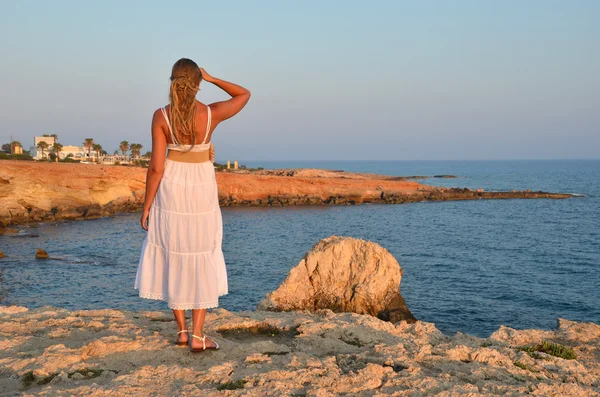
pixel 189 157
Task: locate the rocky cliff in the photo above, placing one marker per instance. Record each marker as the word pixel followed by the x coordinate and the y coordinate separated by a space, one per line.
pixel 35 191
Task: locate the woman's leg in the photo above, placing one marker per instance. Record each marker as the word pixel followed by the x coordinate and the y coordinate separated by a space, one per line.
pixel 198 329
pixel 181 325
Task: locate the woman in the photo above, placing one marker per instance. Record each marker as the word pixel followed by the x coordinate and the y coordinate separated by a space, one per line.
pixel 181 260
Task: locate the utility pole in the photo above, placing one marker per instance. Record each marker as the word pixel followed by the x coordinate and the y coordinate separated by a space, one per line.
pixel 11 145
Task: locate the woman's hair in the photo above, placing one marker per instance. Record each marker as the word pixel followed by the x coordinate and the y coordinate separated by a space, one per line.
pixel 185 81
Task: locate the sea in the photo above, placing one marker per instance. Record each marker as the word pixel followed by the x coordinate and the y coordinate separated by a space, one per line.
pixel 468 266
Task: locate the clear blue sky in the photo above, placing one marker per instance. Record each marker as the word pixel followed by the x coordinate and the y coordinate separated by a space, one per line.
pixel 330 79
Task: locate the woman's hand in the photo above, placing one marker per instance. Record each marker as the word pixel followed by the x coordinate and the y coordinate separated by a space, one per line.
pixel 206 76
pixel 226 109
pixel 144 219
pixel 211 153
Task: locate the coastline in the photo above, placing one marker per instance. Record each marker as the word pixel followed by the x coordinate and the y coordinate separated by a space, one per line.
pixel 34 192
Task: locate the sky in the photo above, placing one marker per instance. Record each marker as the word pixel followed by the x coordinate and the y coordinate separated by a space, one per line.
pixel 330 80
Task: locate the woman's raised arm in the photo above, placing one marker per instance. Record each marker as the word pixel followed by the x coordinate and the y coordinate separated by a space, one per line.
pixel 227 109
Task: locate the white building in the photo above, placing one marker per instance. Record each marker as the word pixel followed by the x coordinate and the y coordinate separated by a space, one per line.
pixel 115 159
pixel 38 152
pixel 77 152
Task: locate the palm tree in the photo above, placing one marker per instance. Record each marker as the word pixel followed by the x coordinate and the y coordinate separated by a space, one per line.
pixel 116 152
pixel 57 147
pixel 42 145
pixel 88 143
pixel 97 148
pixel 148 155
pixel 124 147
pixel 136 149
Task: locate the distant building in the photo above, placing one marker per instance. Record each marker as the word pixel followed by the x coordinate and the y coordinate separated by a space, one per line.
pixel 115 159
pixel 38 152
pixel 77 152
pixel 17 149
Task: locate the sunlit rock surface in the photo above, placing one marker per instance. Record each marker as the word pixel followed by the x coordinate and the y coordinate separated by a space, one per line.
pixel 343 274
pixel 56 352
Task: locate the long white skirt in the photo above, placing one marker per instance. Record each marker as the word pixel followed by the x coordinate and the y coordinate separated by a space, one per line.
pixel 182 260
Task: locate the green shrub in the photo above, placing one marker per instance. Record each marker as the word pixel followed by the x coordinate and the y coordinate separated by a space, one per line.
pixel 23 156
pixel 233 385
pixel 553 349
pixel 45 380
pixel 88 373
pixel 27 379
pixel 70 160
pixel 524 366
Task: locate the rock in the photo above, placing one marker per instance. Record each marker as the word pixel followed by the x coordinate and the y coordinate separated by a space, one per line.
pixel 93 211
pixel 343 274
pixel 41 254
pixel 277 353
pixel 37 214
pixel 12 309
pixel 399 314
pixel 66 212
pixel 8 231
pixel 26 233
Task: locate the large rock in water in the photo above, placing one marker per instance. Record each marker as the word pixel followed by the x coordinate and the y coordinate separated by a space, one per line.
pixel 343 274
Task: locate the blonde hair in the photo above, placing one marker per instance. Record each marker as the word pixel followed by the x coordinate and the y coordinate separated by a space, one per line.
pixel 185 81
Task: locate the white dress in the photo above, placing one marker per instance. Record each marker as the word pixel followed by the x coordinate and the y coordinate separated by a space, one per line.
pixel 182 261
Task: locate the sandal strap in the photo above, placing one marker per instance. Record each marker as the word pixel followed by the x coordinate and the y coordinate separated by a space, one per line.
pixel 183 330
pixel 203 339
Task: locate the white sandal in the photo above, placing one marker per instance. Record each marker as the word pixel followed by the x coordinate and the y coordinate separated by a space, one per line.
pixel 203 339
pixel 182 343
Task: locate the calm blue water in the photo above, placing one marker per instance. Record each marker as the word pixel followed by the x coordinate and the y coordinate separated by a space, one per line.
pixel 468 266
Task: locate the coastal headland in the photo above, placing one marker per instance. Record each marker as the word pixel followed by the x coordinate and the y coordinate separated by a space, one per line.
pixel 36 191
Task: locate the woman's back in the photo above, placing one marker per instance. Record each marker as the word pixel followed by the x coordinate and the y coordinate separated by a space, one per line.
pixel 191 142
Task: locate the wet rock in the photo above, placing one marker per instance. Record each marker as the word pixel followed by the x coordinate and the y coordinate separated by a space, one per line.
pixel 26 233
pixel 343 274
pixel 9 231
pixel 399 314
pixel 93 211
pixel 37 214
pixel 66 212
pixel 41 254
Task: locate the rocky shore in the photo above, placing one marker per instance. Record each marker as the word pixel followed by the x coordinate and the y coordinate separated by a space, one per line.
pixel 331 341
pixel 33 191
pixel 55 352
